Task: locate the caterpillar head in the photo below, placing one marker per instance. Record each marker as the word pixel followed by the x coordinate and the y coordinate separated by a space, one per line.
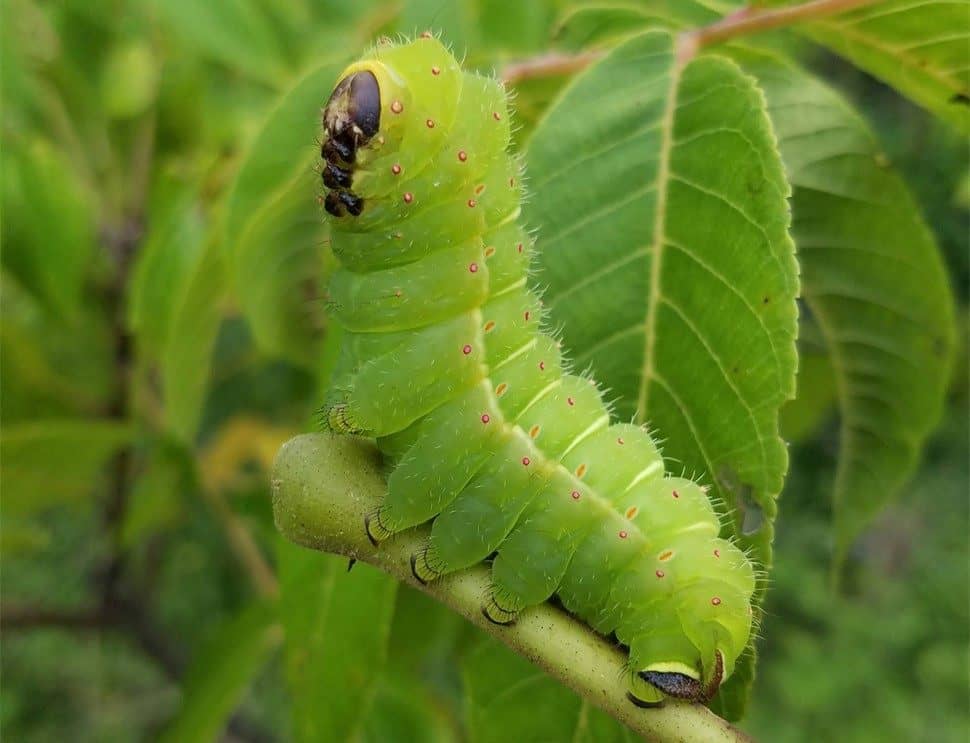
pixel 351 118
pixel 385 119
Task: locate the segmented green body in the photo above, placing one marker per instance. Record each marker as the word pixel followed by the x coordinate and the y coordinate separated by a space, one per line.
pixel 445 362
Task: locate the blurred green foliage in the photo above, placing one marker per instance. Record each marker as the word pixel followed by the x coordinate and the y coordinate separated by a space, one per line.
pixel 162 332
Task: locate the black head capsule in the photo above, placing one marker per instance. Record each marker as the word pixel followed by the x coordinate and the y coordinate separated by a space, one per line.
pixel 352 116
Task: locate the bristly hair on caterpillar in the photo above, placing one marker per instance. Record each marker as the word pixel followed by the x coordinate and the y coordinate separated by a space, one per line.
pixel 449 363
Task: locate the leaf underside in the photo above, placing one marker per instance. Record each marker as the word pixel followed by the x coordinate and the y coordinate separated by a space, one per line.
pixel 920 47
pixel 875 286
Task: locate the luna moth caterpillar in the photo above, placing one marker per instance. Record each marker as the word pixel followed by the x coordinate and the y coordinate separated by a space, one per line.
pixel 445 361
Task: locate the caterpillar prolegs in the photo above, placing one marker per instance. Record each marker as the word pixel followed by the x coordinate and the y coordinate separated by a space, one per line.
pixel 446 363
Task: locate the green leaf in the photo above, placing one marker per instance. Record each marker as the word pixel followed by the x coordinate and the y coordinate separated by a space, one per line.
pixel 155 502
pixel 815 399
pixel 275 233
pixel 222 671
pixel 21 537
pixel 336 625
pixel 233 32
pixel 920 47
pixel 278 265
pixel 508 698
pixel 875 286
pixel 50 370
pixel 129 80
pixel 188 352
pixel 403 711
pixel 172 248
pixel 603 23
pixel 661 203
pixel 53 461
pixel 48 226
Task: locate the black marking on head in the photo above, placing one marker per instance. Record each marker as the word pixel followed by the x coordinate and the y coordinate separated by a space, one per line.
pixel 673 684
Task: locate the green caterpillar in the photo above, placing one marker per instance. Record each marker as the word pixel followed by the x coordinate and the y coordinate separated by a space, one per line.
pixel 446 363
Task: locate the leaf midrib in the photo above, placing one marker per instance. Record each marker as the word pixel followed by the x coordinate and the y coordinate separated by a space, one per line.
pixel 659 225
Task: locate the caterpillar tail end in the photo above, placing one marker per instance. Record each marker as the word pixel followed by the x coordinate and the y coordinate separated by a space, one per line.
pixel 682 683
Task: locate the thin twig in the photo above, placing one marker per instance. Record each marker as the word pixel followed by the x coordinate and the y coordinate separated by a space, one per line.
pixel 742 22
pixel 752 22
pixel 552 64
pixel 324 486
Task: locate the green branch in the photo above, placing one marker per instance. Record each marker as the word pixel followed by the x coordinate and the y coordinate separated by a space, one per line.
pixel 322 488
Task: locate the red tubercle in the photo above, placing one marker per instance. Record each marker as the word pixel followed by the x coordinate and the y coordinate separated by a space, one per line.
pixel 472 203
pixel 575 495
pixel 466 349
pixel 397 107
pixel 526 461
pixel 472 268
pixel 675 494
pixel 462 155
pixel 396 169
pixel 715 601
pixel 408 197
pixel 436 71
pixel 570 402
pixel 485 418
pixel 623 535
pixel 660 573
pixel 429 123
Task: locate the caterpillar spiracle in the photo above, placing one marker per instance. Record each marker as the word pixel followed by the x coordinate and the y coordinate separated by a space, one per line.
pixel 446 363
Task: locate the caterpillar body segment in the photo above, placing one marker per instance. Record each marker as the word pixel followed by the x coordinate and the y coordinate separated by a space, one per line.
pixel 446 363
